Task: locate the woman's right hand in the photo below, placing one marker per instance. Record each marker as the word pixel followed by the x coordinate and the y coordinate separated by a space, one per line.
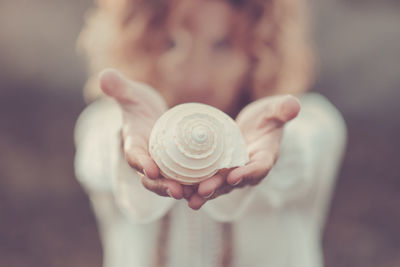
pixel 141 106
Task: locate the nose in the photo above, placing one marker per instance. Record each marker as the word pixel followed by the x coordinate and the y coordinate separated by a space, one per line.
pixel 195 69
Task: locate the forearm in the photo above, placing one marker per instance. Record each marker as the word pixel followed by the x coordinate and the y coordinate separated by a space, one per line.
pixel 101 167
pixel 310 152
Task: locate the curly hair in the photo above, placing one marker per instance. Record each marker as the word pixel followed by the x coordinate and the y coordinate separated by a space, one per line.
pixel 276 41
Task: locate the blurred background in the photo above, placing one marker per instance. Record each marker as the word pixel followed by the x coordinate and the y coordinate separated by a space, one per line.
pixel 45 218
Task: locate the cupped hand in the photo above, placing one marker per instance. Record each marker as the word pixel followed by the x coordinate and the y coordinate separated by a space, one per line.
pixel 141 106
pixel 261 124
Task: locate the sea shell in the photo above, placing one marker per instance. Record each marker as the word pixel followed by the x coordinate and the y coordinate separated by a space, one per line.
pixel 192 141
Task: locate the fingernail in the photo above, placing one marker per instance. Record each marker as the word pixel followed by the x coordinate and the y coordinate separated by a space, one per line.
pixel 209 195
pixel 238 182
pixel 144 171
pixel 169 193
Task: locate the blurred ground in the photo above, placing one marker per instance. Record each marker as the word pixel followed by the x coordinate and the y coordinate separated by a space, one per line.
pixel 45 218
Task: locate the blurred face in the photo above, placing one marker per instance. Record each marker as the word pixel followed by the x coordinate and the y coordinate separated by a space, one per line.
pixel 203 60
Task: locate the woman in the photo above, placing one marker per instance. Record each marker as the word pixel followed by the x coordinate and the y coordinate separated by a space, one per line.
pixel 243 57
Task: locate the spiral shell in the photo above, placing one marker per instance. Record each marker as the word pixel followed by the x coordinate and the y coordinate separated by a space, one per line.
pixel 191 142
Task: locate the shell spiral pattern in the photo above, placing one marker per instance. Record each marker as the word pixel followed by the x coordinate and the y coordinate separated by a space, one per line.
pixel 192 141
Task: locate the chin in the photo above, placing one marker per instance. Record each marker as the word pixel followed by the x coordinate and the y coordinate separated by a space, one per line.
pixel 180 99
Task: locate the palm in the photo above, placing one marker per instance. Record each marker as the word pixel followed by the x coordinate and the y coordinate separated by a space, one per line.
pixel 262 126
pixel 261 123
pixel 141 106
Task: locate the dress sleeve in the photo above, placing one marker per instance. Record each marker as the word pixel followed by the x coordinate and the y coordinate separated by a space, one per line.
pixel 101 167
pixel 311 151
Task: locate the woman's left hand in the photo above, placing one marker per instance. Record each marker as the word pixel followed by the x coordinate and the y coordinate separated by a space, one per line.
pixel 261 123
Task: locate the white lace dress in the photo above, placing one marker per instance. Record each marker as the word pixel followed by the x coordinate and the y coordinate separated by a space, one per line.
pixel 276 223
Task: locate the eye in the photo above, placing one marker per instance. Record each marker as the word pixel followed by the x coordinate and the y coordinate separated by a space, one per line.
pixel 222 44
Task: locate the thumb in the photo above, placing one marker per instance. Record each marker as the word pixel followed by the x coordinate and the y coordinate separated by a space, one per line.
pixel 281 108
pixel 114 84
pixel 127 92
pixel 278 111
pixel 286 108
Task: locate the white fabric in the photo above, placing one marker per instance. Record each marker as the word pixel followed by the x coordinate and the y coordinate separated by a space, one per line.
pixel 276 223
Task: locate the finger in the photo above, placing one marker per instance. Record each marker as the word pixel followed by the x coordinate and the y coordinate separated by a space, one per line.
pixel 155 185
pixel 289 108
pixel 208 187
pixel 224 189
pixel 278 110
pixel 188 191
pixel 150 168
pixel 283 108
pixel 174 189
pixel 196 201
pixel 163 187
pixel 137 156
pixel 128 92
pixel 114 84
pixel 252 173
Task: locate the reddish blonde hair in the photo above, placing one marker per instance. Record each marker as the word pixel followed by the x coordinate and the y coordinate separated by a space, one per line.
pixel 276 33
